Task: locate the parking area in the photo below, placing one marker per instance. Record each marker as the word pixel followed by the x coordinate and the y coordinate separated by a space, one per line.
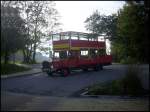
pixel 41 84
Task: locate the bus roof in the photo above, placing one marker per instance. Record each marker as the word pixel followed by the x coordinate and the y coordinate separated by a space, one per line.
pixel 74 34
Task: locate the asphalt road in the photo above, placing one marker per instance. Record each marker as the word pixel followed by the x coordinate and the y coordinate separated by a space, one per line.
pixel 41 84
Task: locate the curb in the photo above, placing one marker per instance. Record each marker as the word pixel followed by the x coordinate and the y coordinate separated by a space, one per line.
pixel 19 75
pixel 84 94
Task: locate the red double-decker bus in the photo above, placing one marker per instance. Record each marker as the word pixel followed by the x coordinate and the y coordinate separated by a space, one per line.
pixel 76 50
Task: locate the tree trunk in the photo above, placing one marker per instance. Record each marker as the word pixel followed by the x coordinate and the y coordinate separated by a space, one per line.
pixel 34 47
pixel 34 52
pixel 24 56
pixel 30 53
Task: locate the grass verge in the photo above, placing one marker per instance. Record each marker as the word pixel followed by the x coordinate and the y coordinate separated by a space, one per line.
pixel 12 68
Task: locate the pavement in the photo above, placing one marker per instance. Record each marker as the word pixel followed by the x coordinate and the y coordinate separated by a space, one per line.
pixel 23 102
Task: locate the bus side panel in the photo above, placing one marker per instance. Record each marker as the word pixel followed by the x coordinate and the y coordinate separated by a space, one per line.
pixel 108 59
pixel 93 61
pixel 83 61
pixel 60 64
pixel 88 62
pixel 73 62
pixel 57 64
pixel 101 59
pixel 68 63
pixel 105 59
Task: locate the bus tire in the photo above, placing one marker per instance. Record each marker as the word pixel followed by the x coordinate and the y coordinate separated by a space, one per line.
pixel 101 67
pixel 65 72
pixel 85 69
pixel 96 68
pixel 49 73
pixel 45 64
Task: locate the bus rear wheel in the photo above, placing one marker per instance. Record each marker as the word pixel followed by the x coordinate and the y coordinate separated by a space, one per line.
pixel 101 67
pixel 65 72
pixel 85 69
pixel 96 68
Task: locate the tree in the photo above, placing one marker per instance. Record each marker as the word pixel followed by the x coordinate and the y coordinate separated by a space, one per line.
pixel 130 30
pixel 41 12
pixel 13 31
pixel 102 24
pixel 41 18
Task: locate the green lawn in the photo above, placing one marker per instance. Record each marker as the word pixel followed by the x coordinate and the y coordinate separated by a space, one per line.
pixel 12 68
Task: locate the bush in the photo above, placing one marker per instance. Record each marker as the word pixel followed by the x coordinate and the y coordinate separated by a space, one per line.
pixel 129 85
pixel 98 89
pixel 109 88
pixel 131 82
pixel 128 60
pixel 116 87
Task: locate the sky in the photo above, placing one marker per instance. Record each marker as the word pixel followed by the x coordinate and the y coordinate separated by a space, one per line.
pixel 74 13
